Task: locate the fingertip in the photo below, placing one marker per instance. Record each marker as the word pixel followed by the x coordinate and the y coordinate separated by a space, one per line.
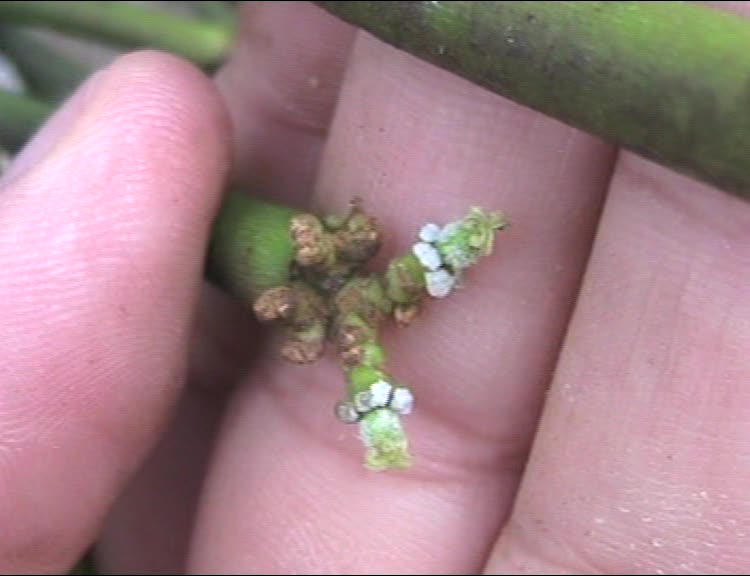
pixel 155 105
pixel 148 91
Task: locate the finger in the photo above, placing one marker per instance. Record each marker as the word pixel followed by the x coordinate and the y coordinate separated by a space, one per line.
pixel 102 246
pixel 287 491
pixel 281 85
pixel 148 530
pixel 662 485
pixel 641 459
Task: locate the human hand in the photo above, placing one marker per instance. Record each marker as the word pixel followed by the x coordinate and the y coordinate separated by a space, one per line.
pixel 619 287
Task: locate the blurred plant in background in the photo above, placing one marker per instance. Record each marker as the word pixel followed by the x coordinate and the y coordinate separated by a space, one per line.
pixel 49 48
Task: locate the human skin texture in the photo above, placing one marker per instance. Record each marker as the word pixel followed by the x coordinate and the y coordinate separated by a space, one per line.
pixel 581 403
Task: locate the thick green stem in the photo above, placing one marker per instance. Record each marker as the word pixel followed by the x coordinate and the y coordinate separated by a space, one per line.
pixel 127 24
pixel 669 80
pixel 20 116
pixel 251 250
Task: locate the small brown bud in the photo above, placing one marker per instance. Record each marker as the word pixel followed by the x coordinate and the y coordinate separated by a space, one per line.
pixel 358 240
pixel 305 229
pixel 350 336
pixel 405 314
pixel 314 245
pixel 352 356
pixel 310 255
pixel 275 303
pixel 301 352
pixel 310 307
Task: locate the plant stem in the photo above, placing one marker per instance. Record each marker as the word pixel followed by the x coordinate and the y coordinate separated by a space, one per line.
pixel 251 250
pixel 48 73
pixel 668 80
pixel 217 11
pixel 21 116
pixel 129 25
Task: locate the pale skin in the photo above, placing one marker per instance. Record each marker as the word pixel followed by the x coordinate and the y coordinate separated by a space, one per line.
pixel 582 404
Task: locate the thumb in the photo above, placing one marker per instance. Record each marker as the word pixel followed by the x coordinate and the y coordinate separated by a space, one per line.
pixel 103 223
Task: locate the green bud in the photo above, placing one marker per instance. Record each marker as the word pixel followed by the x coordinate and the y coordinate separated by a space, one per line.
pixel 404 279
pixel 384 437
pixel 373 355
pixel 463 243
pixel 312 332
pixel 364 297
pixel 334 221
pixel 362 377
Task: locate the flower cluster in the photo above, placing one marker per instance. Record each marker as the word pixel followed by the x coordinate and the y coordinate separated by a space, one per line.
pixel 329 296
pixel 446 252
pixel 376 404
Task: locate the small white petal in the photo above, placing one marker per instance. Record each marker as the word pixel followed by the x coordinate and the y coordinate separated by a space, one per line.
pixel 439 283
pixel 427 255
pixel 380 392
pixel 402 401
pixel 429 233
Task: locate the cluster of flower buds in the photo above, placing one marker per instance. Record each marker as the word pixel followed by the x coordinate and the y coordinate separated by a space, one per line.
pixel 446 252
pixel 377 404
pixel 330 296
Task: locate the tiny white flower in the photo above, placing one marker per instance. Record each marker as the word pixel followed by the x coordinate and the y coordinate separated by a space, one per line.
pixel 427 255
pixel 380 393
pixel 402 401
pixel 439 283
pixel 346 412
pixel 429 233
